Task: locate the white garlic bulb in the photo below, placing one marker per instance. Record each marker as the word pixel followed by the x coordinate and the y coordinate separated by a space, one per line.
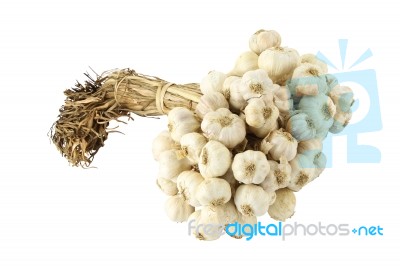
pixel 167 186
pixel 230 178
pixel 215 159
pixel 250 167
pixel 236 100
pixel 163 142
pixel 180 122
pixel 211 102
pixel 307 79
pixel 261 116
pixel 226 87
pixel 177 209
pixel 281 93
pixel 264 39
pixel 212 82
pixel 278 176
pixel 191 146
pixel 210 224
pixel 252 200
pixel 187 183
pixel 255 83
pixel 242 220
pixel 303 172
pixel 224 126
pixel 247 61
pixel 312 59
pixel 171 166
pixel 279 63
pixel 284 205
pixel 283 144
pixel 213 192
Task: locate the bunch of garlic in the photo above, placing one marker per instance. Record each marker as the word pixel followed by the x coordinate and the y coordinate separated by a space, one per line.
pixel 254 139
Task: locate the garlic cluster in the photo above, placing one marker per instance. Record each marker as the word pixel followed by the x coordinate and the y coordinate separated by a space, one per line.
pixel 255 137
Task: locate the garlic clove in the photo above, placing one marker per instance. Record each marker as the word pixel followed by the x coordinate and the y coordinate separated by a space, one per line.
pixel 180 122
pixel 177 209
pixel 167 186
pixel 284 205
pixel 252 200
pixel 212 82
pixel 215 159
pixel 187 184
pixel 250 167
pixel 247 61
pixel 213 192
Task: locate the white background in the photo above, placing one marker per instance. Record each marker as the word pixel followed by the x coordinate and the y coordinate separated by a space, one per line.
pixel 54 214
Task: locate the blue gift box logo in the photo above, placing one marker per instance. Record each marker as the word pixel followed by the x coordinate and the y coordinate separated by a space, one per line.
pixel 370 122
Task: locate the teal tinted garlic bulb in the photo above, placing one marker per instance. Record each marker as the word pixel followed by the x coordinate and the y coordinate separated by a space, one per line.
pixel 331 81
pixel 308 79
pixel 342 97
pixel 341 120
pixel 321 110
pixel 301 126
pixel 319 161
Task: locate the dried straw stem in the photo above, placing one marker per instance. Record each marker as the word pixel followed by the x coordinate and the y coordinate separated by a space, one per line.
pixel 81 128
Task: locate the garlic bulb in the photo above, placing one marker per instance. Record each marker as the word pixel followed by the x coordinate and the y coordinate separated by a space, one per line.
pixel 307 79
pixel 242 220
pixel 213 192
pixel 177 209
pixel 247 61
pixel 319 164
pixel 226 87
pixel 162 142
pixel 312 146
pixel 284 106
pixel 187 183
pixel 167 186
pixel 331 81
pixel 260 113
pixel 180 122
pixel 230 213
pixel 303 172
pixel 264 39
pixel 284 205
pixel 224 126
pixel 252 200
pixel 215 159
pixel 230 178
pixel 282 145
pixel 255 83
pixel 281 93
pixel 236 100
pixel 312 59
pixel 209 224
pixel 171 166
pixel 278 177
pixel 212 82
pixel 320 109
pixel 250 167
pixel 341 120
pixel 191 146
pixel 342 97
pixel 279 63
pixel 211 102
pixel 301 126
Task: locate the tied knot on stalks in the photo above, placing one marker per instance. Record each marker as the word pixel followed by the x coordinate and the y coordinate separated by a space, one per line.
pixel 82 125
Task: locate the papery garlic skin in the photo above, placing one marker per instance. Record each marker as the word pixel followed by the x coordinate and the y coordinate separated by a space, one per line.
pixel 177 209
pixel 283 144
pixel 170 166
pixel 312 59
pixel 264 39
pixel 252 200
pixel 250 167
pixel 279 63
pixel 163 142
pixel 247 61
pixel 278 176
pixel 212 82
pixel 224 126
pixel 215 159
pixel 284 205
pixel 303 172
pixel 213 192
pixel 180 122
pixel 211 102
pixel 255 83
pixel 187 184
pixel 236 100
pixel 167 186
pixel 191 146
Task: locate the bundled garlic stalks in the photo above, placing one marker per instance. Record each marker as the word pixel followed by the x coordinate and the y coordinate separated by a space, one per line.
pixel 253 140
